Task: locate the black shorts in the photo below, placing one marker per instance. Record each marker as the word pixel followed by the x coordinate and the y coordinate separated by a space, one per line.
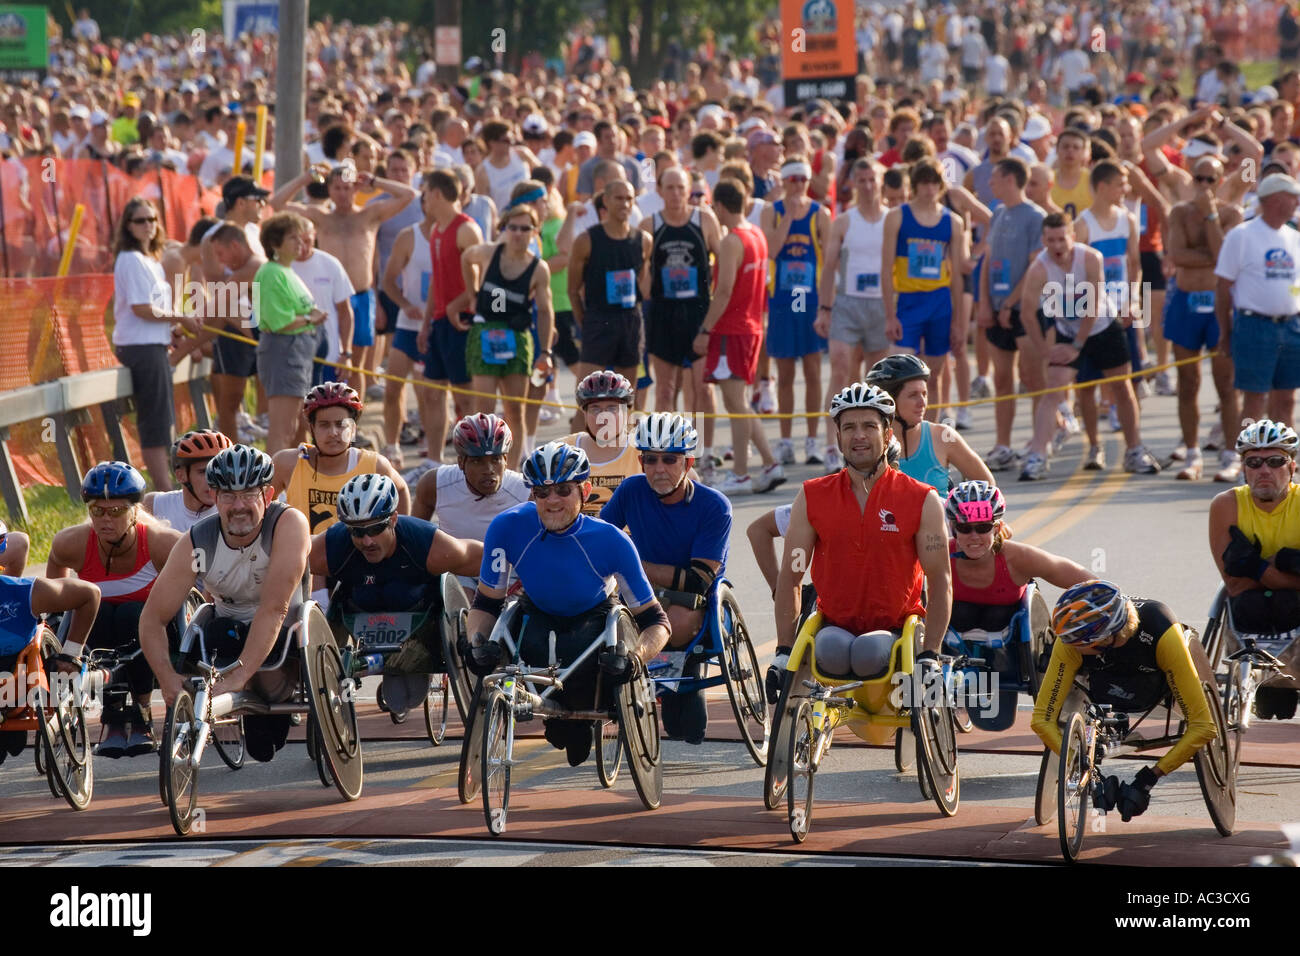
pixel 1105 350
pixel 151 386
pixel 671 327
pixel 614 340
pixel 235 358
pixel 566 338
pixel 573 635
pixel 386 321
pixel 1152 274
pixel 1005 339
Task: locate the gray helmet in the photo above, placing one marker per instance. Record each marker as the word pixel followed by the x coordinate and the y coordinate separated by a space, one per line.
pixel 238 468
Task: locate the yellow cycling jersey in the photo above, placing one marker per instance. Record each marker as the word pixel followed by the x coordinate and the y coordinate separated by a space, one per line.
pixel 316 495
pixel 1075 200
pixel 609 466
pixel 1132 678
pixel 1274 530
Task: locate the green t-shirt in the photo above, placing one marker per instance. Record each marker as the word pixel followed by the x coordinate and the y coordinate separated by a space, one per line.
pixel 559 277
pixel 125 131
pixel 279 297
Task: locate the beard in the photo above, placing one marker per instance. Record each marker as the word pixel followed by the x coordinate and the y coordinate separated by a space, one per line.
pixel 241 522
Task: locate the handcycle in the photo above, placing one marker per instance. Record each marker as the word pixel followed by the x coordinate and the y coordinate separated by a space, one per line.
pixel 323 691
pixel 813 704
pixel 1071 781
pixel 1248 663
pixel 519 692
pixel 724 642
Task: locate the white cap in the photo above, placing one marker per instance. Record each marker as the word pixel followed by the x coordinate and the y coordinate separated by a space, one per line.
pixel 1036 127
pixel 1278 183
pixel 752 123
pixel 1265 94
pixel 79 112
pixel 714 110
pixel 1196 148
pixel 585 138
pixel 98 117
pixel 189 87
pixel 535 123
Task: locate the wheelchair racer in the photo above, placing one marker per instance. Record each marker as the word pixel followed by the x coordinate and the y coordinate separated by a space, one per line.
pixel 251 556
pixel 875 536
pixel 187 504
pixel 122 550
pixel 14 547
pixel 605 398
pixel 1131 651
pixel 681 529
pixel 1255 541
pixel 564 559
pixel 378 561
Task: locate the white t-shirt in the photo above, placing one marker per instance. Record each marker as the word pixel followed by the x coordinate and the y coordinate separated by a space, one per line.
pixel 139 280
pixel 1261 263
pixel 934 57
pixel 996 69
pixel 328 281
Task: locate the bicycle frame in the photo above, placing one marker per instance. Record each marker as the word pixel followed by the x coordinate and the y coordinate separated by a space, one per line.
pixel 707 645
pixel 1249 667
pixel 552 675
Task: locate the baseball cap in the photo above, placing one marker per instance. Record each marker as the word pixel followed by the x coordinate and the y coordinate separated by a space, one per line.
pixel 98 118
pixel 1265 94
pixel 750 124
pixel 241 187
pixel 585 138
pixel 714 110
pixel 1136 78
pixel 131 99
pixel 660 121
pixel 188 87
pixel 1036 127
pixel 1278 183
pixel 79 112
pixel 534 124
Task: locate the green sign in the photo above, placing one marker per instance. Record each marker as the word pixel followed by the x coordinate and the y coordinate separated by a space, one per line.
pixel 23 43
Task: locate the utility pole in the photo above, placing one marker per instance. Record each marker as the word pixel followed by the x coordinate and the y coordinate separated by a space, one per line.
pixel 290 80
pixel 448 52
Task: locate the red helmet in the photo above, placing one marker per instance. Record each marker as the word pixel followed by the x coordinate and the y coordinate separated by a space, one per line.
pixel 329 395
pixel 604 384
pixel 198 445
pixel 477 436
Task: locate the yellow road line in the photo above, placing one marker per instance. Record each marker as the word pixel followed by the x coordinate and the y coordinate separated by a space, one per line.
pixel 1075 487
pixel 1105 490
pixel 525 768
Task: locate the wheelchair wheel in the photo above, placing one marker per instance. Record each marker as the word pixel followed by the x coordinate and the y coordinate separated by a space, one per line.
pixel 606 741
pixel 904 750
pixel 1073 788
pixel 638 726
pixel 336 718
pixel 69 764
pixel 471 751
pixel 1040 633
pixel 800 754
pixel 1216 768
pixel 435 709
pixel 180 780
pixel 1212 638
pixel 777 776
pixel 1045 794
pixel 935 729
pixel 495 761
pixel 228 739
pixel 961 718
pixel 455 619
pixel 314 754
pixel 50 647
pixel 743 677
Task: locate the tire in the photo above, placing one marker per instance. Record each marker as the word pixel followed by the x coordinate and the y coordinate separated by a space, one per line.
pixel 904 744
pixel 935 729
pixel 1216 768
pixel 455 611
pixel 471 750
pixel 336 716
pixel 1073 788
pixel 961 719
pixel 70 768
pixel 50 742
pixel 314 752
pixel 777 775
pixel 180 780
pixel 606 742
pixel 435 710
pixel 50 646
pixel 743 678
pixel 495 761
pixel 231 749
pixel 800 751
pixel 1045 794
pixel 638 727
pixel 1040 641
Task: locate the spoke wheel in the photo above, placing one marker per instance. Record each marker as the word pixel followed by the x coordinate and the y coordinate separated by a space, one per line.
pixel 935 729
pixel 1216 768
pixel 801 751
pixel 435 709
pixel 777 776
pixel 228 739
pixel 471 751
pixel 70 770
pixel 904 751
pixel 455 624
pixel 638 725
pixel 1045 794
pixel 1073 786
pixel 743 678
pixel 181 780
pixel 606 741
pixel 495 772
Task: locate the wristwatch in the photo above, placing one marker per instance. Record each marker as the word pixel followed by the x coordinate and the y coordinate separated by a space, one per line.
pixel 824 308
pixel 1212 217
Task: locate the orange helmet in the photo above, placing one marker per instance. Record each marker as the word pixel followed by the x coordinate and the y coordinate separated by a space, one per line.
pixel 198 445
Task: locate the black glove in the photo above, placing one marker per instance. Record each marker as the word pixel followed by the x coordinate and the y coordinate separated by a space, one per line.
pixel 482 660
pixel 1135 797
pixel 1288 561
pixel 618 665
pixel 1107 795
pixel 1241 558
pixel 774 674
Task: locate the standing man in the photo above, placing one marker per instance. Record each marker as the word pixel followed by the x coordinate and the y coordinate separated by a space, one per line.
pixel 331 289
pixel 505 164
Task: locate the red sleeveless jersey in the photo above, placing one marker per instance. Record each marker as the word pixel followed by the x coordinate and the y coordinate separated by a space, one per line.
pixel 130 587
pixel 865 565
pixel 744 312
pixel 447 281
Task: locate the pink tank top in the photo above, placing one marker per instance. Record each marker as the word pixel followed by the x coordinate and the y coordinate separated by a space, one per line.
pixel 1003 590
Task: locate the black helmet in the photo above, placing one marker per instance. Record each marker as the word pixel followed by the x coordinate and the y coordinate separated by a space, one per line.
pixel 894 371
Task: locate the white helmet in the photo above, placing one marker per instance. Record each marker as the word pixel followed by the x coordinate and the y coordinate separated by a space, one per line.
pixel 1267 434
pixel 668 432
pixel 367 498
pixel 862 395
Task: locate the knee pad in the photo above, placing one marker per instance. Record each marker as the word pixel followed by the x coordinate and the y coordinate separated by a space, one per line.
pixel 869 654
pixel 832 647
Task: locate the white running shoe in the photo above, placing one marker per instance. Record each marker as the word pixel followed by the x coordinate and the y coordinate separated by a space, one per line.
pixel 1142 388
pixel 734 485
pixel 1229 467
pixel 1000 458
pixel 1180 453
pixel 772 476
pixel 1215 441
pixel 1138 461
pixel 1113 414
pixel 1192 466
pixel 1060 440
pixel 1096 460
pixel 833 460
pixel 981 387
pixel 1165 384
pixel 707 471
pixel 1035 468
pixel 810 453
pixel 963 419
pixel 1068 421
pixel 766 397
pixel 784 451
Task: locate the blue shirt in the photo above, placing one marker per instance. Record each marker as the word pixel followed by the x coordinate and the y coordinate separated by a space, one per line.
pixel 563 573
pixel 923 464
pixel 699 526
pixel 400 582
pixel 17 622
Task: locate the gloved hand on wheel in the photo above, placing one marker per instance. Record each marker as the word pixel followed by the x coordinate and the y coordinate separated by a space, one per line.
pixel 774 675
pixel 1287 560
pixel 482 660
pixel 1242 558
pixel 618 665
pixel 1135 797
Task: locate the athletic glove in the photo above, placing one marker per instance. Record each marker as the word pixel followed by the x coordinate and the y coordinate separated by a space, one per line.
pixel 1105 797
pixel 482 660
pixel 1241 558
pixel 774 672
pixel 1288 561
pixel 1135 797
pixel 618 665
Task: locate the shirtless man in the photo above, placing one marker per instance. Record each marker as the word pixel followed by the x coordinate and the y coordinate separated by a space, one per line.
pixel 348 233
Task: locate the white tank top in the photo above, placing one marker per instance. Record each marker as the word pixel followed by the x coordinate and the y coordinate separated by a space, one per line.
pixel 1066 296
pixel 169 508
pixel 234 576
pixel 1112 243
pixel 415 278
pixel 861 256
pixel 461 513
pixel 755 216
pixel 502 181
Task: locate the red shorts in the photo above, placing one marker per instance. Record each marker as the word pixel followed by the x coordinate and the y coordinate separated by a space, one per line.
pixel 741 353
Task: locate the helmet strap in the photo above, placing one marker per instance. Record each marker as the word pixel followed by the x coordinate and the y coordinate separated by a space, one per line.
pixel 674 490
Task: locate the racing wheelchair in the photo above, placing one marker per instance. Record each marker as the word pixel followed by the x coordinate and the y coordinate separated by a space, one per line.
pixel 323 691
pixel 1071 782
pixel 1247 664
pixel 813 704
pixel 518 692
pixel 723 642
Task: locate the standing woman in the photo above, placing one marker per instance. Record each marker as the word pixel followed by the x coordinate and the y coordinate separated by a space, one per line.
pixel 143 321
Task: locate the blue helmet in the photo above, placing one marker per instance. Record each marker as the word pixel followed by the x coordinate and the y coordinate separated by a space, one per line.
pixel 113 479
pixel 555 463
pixel 1089 612
pixel 367 498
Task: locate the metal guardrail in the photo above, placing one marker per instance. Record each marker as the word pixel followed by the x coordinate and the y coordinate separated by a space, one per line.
pixel 67 402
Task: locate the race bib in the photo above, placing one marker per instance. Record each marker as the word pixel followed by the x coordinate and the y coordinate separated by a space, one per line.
pixel 1113 269
pixel 680 282
pixel 377 630
pixel 1201 302
pixel 975 511
pixel 620 288
pixel 796 275
pixel 498 345
pixel 867 282
pixel 924 259
pixel 1000 277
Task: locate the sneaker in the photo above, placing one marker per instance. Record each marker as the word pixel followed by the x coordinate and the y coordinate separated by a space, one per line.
pixel 246 424
pixel 1229 467
pixel 1113 414
pixel 141 741
pixel 833 461
pixel 1096 460
pixel 1215 441
pixel 264 421
pixel 728 453
pixel 1000 458
pixel 1180 453
pixel 375 393
pixel 1142 389
pixel 963 419
pixel 734 484
pixel 766 397
pixel 1035 468
pixel 114 744
pixel 784 451
pixel 772 476
pixel 1193 466
pixel 981 387
pixel 810 454
pixel 707 471
pixel 1165 384
pixel 411 433
pixel 394 455
pixel 1068 421
pixel 547 415
pixel 1059 440
pixel 1138 461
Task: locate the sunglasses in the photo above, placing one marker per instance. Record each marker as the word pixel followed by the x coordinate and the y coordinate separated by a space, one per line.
pixel 1208 180
pixel 983 527
pixel 517 228
pixel 99 511
pixel 141 221
pixel 668 459
pixel 1255 462
pixel 697 196
pixel 541 493
pixel 368 531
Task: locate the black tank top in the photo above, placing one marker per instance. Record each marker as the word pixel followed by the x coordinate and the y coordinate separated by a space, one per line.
pixel 610 280
pixel 506 300
pixel 1129 676
pixel 680 262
